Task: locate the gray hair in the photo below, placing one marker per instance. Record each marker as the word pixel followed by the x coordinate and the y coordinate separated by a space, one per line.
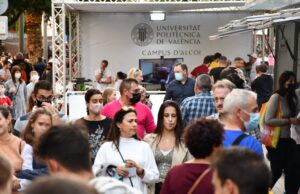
pixel 204 82
pixel 224 83
pixel 237 98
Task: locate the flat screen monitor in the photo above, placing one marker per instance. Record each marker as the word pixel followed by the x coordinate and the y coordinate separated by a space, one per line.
pixel 158 71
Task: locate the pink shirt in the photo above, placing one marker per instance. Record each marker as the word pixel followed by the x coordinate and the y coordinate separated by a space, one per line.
pixel 145 121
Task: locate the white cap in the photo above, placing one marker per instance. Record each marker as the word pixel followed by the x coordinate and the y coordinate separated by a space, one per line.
pixel 254 55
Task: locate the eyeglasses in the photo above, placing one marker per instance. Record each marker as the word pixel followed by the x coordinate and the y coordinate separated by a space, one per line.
pixel 45 99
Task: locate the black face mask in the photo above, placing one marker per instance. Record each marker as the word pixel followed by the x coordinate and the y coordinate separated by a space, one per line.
pixel 39 103
pixel 291 87
pixel 136 97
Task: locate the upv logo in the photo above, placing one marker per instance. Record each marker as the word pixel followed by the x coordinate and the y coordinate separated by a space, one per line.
pixel 142 34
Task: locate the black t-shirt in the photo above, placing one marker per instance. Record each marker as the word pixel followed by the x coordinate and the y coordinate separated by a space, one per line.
pixel 263 86
pixel 216 72
pixel 98 131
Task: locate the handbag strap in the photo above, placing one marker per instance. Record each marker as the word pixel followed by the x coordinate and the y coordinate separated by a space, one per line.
pixel 198 181
pixel 264 107
pixel 124 162
pixel 279 110
pixel 15 94
pixel 18 88
pixel 238 140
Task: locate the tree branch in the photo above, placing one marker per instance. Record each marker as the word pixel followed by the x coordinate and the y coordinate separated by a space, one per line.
pixel 13 20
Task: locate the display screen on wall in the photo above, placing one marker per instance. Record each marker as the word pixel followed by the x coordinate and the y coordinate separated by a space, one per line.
pixel 158 71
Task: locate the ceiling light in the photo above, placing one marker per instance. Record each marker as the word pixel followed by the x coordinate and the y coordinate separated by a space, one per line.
pixel 157 16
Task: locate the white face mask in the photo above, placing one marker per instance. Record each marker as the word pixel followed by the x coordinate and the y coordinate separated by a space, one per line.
pixel 17 75
pixel 35 78
pixel 96 108
pixel 2 91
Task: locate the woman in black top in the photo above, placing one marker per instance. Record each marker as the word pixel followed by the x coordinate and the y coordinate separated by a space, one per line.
pixel 98 125
pixel 262 85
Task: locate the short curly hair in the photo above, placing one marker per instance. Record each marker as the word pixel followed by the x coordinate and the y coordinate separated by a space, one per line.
pixel 202 136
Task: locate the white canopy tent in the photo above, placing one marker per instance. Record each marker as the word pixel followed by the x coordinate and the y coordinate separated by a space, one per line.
pixel 266 21
pixel 67 12
pixel 256 22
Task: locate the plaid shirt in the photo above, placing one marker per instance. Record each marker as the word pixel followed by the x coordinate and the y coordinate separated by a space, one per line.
pixel 197 106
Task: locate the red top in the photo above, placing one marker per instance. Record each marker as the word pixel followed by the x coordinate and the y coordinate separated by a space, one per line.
pixel 202 69
pixel 145 121
pixel 5 99
pixel 182 177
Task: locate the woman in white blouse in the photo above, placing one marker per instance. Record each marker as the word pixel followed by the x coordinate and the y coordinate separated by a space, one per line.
pixel 133 158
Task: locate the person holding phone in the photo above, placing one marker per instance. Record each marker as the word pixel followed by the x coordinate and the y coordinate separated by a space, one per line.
pixel 103 77
pixel 134 159
pixel 42 96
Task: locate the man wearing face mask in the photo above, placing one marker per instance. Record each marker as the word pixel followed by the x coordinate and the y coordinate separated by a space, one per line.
pixel 130 96
pixel 241 116
pixel 42 96
pixel 182 87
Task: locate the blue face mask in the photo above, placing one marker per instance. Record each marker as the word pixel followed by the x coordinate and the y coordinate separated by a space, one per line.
pixel 252 123
pixel 178 76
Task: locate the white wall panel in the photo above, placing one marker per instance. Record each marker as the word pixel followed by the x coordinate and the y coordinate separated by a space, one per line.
pixel 108 36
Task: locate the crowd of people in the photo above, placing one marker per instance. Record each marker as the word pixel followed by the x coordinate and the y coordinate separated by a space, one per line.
pixel 206 138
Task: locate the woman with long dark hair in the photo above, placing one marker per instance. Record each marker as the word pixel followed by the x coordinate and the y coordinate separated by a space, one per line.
pixel 166 143
pixel 133 158
pixel 282 158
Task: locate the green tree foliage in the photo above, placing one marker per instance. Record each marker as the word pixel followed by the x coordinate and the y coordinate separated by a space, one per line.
pixel 17 7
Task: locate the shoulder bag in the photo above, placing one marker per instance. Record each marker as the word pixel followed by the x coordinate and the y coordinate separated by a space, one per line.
pixel 269 134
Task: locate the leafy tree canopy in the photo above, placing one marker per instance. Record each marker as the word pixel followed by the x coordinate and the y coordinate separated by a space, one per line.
pixel 17 7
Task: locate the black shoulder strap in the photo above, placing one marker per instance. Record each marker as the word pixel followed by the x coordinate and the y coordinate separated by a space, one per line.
pixel 238 140
pixel 124 162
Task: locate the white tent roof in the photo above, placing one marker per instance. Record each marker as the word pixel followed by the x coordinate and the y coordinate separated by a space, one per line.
pixel 269 4
pixel 256 22
pixel 150 5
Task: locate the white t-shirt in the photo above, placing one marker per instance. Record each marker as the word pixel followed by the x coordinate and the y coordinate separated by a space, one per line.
pixel 253 70
pixel 27 155
pixel 106 75
pixel 117 84
pixel 295 132
pixel 29 89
